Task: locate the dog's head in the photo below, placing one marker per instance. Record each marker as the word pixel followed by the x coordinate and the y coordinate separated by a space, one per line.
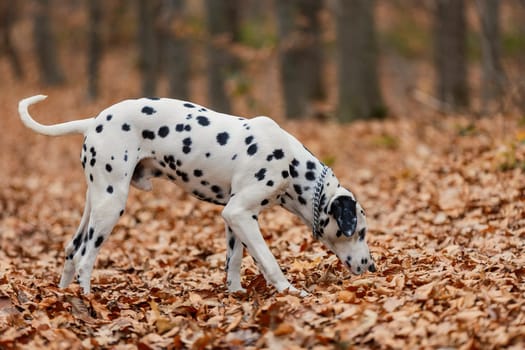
pixel 344 232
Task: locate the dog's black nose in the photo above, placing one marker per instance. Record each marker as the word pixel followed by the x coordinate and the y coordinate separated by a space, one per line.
pixel 372 268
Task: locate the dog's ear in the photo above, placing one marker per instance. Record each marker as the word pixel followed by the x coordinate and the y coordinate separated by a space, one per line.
pixel 343 209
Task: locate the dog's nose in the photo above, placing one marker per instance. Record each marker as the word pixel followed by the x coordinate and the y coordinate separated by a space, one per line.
pixel 372 268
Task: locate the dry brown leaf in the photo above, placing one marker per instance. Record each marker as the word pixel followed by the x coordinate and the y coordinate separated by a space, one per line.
pixel 283 329
pixel 346 296
pixel 390 304
pixel 423 293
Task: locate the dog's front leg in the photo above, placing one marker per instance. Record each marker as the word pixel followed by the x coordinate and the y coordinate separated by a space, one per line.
pixel 246 229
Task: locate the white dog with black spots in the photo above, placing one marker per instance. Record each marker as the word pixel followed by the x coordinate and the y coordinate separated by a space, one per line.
pixel 246 165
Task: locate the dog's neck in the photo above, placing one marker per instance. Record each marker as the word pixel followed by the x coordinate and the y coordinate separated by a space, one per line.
pixel 317 195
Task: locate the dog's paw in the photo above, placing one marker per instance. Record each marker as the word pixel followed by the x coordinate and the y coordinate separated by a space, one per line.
pixel 235 287
pixel 68 274
pixel 239 290
pixel 300 292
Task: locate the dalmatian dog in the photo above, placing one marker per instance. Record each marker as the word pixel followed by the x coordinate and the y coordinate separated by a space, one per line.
pixel 245 165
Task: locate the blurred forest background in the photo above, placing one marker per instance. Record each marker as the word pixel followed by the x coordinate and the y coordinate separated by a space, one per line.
pixel 339 59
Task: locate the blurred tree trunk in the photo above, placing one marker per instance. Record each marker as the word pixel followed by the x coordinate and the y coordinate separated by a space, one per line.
pixel 493 75
pixel 300 54
pixel 450 53
pixel 223 25
pixel 359 92
pixel 176 48
pixel 94 47
pixel 148 53
pixel 8 15
pixel 45 48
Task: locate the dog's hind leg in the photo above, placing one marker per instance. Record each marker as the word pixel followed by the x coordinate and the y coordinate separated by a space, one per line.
pixel 69 267
pixel 233 261
pixel 106 208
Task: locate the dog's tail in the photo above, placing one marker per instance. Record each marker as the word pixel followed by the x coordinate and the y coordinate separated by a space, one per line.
pixel 72 127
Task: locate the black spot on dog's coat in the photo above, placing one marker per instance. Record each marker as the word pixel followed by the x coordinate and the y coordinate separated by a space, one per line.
pixel 125 127
pixel 186 148
pixel 148 110
pixel 278 154
pixel 99 241
pixel 222 138
pixel 109 189
pixel 264 202
pixel 108 168
pixel 362 234
pixel 293 172
pixel 189 105
pixel 197 173
pixel 77 241
pixel 310 176
pixel 163 131
pixel 148 134
pixel 202 120
pixel 248 140
pixel 252 149
pixel 99 128
pixel 260 174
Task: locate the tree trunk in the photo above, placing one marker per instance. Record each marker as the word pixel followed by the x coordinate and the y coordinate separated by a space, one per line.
pixel 176 48
pixel 94 47
pixel 8 15
pixel 359 92
pixel 45 48
pixel 223 26
pixel 148 55
pixel 300 54
pixel 493 76
pixel 450 53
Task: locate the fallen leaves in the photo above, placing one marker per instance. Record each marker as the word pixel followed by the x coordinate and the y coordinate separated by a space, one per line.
pixel 447 231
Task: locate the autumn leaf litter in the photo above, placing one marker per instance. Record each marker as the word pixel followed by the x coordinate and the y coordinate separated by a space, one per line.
pixel 447 229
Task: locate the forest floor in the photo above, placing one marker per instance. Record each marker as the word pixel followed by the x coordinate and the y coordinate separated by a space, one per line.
pixel 445 198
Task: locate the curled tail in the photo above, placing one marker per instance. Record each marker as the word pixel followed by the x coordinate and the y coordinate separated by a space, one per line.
pixel 72 127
